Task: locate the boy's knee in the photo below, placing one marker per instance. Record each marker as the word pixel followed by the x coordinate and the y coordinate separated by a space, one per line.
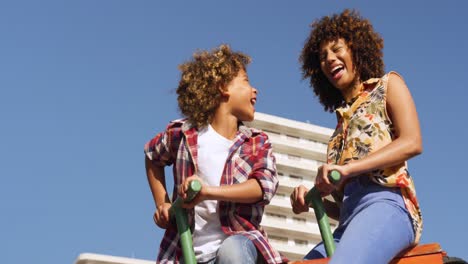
pixel 236 248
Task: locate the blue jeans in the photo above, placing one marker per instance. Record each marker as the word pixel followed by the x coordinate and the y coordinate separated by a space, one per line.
pixel 374 225
pixel 236 249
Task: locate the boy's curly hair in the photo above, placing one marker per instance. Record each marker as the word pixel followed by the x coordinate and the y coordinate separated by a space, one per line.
pixel 366 48
pixel 202 78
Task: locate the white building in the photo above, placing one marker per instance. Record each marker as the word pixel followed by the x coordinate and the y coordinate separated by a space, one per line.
pixel 299 149
pixel 88 258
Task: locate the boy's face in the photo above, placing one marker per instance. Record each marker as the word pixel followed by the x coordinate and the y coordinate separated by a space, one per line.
pixel 242 97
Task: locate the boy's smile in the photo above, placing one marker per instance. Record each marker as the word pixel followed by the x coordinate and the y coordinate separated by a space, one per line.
pixel 242 97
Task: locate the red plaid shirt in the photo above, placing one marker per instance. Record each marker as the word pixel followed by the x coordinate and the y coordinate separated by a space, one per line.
pixel 250 157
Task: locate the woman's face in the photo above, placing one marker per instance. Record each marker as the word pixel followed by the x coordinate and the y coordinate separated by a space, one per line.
pixel 336 62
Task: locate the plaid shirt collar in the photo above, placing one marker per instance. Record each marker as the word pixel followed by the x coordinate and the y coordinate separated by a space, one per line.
pixel 191 134
pixel 188 128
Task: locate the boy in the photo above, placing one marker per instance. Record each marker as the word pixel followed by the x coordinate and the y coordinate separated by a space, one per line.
pixel 234 163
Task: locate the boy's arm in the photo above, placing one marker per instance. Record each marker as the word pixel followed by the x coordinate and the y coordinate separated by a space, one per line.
pixel 262 183
pixel 245 192
pixel 158 154
pixel 157 183
pixel 264 169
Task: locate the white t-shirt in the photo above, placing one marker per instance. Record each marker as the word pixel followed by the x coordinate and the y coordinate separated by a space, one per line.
pixel 213 150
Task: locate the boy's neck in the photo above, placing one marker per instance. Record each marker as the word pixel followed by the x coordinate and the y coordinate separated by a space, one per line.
pixel 225 125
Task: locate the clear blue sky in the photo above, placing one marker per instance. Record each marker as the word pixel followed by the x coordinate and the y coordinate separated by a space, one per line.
pixel 84 84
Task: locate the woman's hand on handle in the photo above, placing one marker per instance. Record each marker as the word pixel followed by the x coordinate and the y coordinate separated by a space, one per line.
pixel 322 181
pixel 297 198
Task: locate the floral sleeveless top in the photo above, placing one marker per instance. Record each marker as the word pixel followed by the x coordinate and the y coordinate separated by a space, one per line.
pixel 364 127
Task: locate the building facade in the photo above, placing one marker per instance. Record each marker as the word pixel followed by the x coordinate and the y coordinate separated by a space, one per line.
pixel 299 148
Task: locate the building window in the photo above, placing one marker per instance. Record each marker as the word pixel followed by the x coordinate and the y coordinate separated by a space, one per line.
pixel 293 157
pixel 276 216
pixel 299 220
pixel 296 177
pixel 300 242
pixel 280 155
pixel 271 132
pixel 281 195
pixel 278 239
pixel 292 138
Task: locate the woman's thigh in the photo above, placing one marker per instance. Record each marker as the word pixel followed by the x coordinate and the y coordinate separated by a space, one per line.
pixel 375 235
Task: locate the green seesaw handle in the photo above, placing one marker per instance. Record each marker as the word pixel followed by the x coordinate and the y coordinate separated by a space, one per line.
pixel 314 199
pixel 182 223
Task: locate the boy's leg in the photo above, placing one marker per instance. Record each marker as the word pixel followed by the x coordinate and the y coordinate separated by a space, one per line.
pixel 237 249
pixel 375 235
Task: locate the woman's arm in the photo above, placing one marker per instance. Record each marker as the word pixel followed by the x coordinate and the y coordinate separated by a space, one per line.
pixel 407 142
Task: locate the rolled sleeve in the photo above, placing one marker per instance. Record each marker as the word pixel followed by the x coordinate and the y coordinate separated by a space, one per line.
pixel 264 170
pixel 159 150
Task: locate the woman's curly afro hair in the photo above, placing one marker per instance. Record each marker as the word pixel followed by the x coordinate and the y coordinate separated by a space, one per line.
pixel 366 48
pixel 202 78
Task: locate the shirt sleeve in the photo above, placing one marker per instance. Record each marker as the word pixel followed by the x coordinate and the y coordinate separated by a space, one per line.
pixel 161 150
pixel 264 169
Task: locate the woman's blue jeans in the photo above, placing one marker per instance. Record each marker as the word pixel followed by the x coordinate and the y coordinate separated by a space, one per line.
pixel 374 226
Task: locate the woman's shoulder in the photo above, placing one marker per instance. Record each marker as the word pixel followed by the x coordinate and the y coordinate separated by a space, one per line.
pixel 387 79
pixel 394 81
pixel 392 76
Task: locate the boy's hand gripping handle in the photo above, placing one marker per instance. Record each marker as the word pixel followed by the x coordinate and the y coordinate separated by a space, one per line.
pixel 182 222
pixel 314 199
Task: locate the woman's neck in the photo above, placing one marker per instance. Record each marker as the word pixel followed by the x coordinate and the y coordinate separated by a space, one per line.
pixel 352 91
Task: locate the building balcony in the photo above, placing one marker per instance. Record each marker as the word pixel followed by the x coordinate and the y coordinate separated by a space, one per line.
pixel 306 230
pixel 290 127
pixel 291 252
pixel 299 148
pixel 90 258
pixel 296 165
